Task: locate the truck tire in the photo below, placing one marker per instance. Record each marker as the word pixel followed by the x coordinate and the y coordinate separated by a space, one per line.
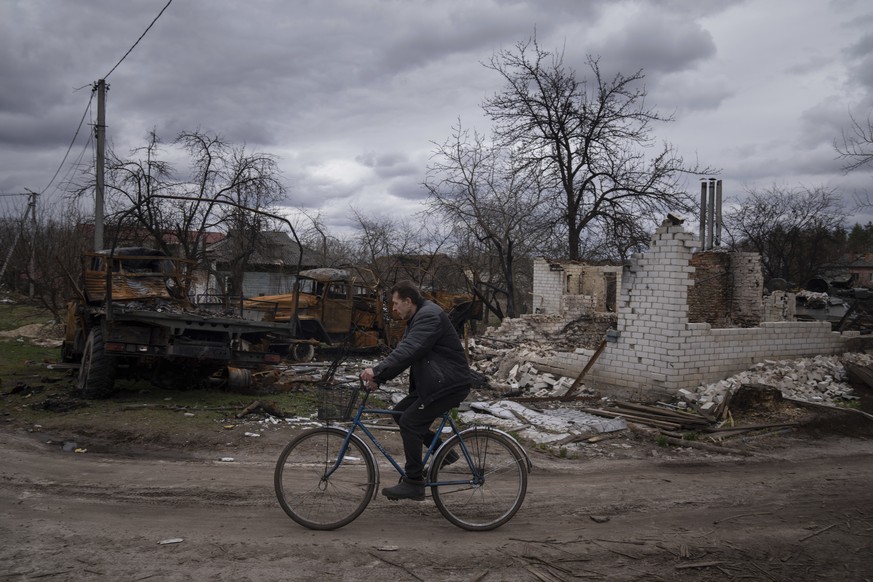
pixel 97 370
pixel 302 352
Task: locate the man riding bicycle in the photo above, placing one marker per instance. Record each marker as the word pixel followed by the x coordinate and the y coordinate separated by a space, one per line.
pixel 439 380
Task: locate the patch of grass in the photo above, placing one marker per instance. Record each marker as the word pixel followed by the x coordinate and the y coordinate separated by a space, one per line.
pixel 661 441
pixel 24 376
pixel 31 394
pixel 22 359
pixel 689 436
pixel 20 313
pixel 854 404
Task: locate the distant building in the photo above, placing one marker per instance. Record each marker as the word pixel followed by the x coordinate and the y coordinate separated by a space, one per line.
pixel 239 266
pixel 860 267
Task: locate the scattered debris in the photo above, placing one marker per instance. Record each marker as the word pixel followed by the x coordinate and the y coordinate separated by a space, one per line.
pixel 821 379
pixel 270 408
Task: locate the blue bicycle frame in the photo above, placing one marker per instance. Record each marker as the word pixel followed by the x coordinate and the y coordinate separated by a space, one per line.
pixel 431 450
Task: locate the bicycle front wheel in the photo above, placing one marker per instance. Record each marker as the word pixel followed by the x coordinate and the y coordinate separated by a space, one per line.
pixel 316 492
pixel 483 489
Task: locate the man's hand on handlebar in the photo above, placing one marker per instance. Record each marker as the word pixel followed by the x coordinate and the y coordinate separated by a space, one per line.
pixel 369 379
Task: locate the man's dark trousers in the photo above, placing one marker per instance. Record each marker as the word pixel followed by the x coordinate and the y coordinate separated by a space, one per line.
pixel 415 426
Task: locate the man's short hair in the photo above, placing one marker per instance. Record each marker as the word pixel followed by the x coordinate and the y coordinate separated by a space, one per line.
pixel 407 290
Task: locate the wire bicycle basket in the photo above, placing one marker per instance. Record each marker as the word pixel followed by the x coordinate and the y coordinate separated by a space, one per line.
pixel 338 401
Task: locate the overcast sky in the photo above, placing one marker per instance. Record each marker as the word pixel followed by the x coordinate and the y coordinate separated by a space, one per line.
pixel 351 94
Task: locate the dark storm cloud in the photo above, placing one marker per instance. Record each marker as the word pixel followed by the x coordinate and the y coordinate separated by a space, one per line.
pixel 388 165
pixel 351 94
pixel 659 43
pixel 861 55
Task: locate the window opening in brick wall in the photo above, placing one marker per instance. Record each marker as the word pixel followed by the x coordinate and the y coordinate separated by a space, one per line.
pixel 610 280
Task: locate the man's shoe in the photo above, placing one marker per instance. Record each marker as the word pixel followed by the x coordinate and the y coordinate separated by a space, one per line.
pixel 407 489
pixel 451 457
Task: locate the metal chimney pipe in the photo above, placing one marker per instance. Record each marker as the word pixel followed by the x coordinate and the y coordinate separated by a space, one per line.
pixel 703 214
pixel 718 218
pixel 710 215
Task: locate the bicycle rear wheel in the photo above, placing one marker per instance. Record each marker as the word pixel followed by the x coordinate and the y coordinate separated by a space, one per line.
pixel 311 497
pixel 490 496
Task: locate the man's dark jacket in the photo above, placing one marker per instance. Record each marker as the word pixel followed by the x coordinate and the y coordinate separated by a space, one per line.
pixel 430 347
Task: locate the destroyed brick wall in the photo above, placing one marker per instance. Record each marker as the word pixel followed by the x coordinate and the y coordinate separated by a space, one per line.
pixel 573 289
pixel 554 331
pixel 727 289
pixel 526 327
pixel 550 284
pixel 575 306
pixel 709 299
pixel 780 306
pixel 656 350
pixel 747 306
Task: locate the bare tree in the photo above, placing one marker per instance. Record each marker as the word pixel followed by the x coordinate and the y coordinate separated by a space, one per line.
pixel 383 244
pixel 589 139
pixel 483 191
pixel 315 234
pixel 856 145
pixel 790 229
pixel 57 259
pixel 175 211
pixel 44 255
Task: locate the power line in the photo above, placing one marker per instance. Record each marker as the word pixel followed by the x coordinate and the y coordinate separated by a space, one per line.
pixel 139 39
pixel 81 121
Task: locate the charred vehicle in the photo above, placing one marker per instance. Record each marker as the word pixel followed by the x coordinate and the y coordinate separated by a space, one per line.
pixel 133 318
pixel 333 306
pixel 338 307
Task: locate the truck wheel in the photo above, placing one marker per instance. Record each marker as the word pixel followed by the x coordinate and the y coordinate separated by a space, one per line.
pixel 302 352
pixel 97 370
pixel 71 352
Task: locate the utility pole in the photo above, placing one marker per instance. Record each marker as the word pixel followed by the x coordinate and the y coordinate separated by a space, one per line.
pixel 100 131
pixel 32 267
pixel 30 209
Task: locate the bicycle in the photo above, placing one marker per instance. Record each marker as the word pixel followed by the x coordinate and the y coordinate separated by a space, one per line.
pixel 326 476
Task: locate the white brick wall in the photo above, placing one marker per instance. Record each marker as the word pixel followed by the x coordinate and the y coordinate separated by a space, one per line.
pixel 570 289
pixel 657 351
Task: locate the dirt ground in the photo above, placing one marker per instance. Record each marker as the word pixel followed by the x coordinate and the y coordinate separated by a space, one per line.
pixel 83 500
pixel 795 506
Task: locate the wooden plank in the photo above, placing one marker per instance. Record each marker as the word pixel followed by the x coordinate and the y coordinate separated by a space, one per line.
pixel 859 374
pixel 578 380
pixel 633 418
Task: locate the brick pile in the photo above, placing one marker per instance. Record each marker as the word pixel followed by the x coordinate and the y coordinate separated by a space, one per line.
pixel 821 379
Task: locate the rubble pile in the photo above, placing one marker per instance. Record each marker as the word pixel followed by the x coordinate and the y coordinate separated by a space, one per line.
pixel 813 300
pixel 821 379
pixel 553 331
pixel 512 373
pixel 526 378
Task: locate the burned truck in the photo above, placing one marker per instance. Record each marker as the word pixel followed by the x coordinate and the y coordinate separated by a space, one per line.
pixel 334 307
pixel 338 307
pixel 133 318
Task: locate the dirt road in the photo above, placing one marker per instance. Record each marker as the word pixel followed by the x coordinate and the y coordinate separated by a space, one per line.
pixel 797 509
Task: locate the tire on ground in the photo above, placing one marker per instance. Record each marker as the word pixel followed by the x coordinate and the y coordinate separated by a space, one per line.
pixel 302 352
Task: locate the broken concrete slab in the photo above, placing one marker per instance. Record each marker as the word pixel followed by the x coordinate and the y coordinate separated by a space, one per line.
pixel 555 421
